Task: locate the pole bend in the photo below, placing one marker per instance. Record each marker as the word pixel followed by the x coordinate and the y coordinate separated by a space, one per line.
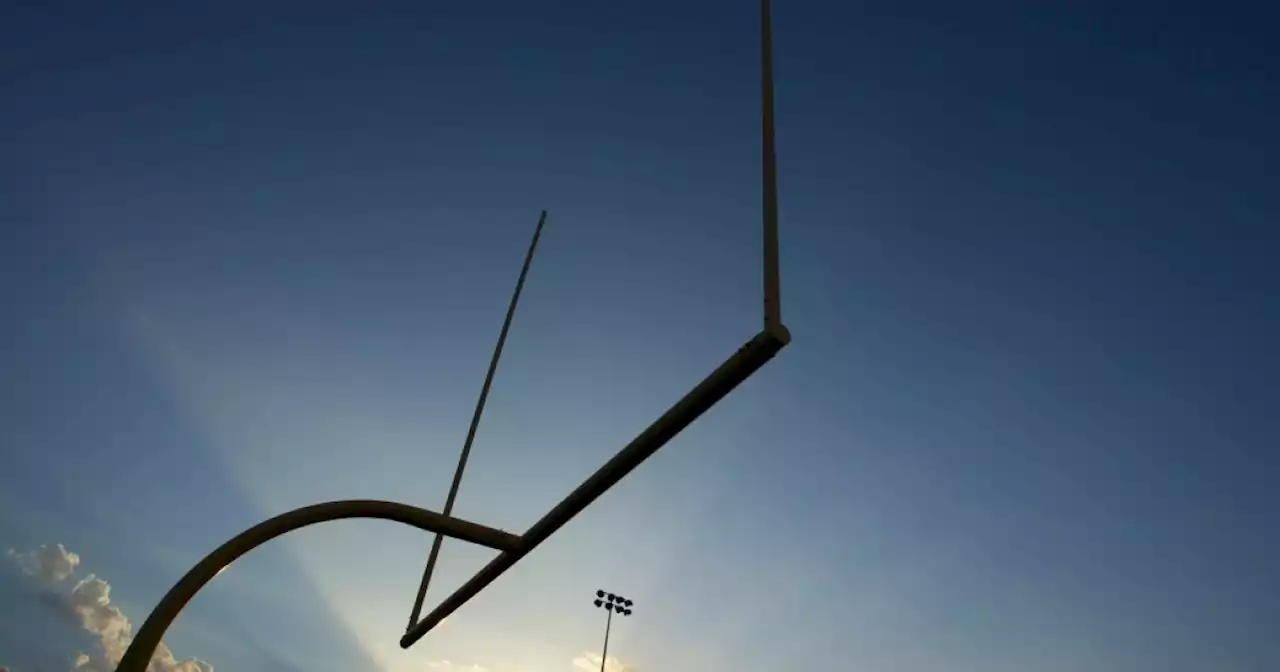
pixel 137 657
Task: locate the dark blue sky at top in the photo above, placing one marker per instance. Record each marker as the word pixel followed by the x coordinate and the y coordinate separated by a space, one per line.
pixel 1029 262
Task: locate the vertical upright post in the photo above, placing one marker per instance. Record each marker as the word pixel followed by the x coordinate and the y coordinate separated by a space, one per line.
pixel 475 423
pixel 604 655
pixel 733 371
pixel 769 174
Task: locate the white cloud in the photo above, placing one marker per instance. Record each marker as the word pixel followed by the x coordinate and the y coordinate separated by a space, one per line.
pixel 589 661
pixel 89 602
pixel 447 666
pixel 48 564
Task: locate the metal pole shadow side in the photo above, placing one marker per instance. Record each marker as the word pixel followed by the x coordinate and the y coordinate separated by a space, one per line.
pixel 138 656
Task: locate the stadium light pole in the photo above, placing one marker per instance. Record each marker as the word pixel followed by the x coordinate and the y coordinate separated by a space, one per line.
pixel 611 603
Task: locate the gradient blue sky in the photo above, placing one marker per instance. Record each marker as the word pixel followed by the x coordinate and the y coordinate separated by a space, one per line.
pixel 255 257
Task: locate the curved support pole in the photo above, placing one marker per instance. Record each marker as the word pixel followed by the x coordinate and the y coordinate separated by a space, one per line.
pixel 143 647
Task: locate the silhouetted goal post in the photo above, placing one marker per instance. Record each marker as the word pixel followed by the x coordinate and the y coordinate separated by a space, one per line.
pixel 739 366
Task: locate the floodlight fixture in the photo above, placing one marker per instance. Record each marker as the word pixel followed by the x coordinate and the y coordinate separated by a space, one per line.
pixel 613 606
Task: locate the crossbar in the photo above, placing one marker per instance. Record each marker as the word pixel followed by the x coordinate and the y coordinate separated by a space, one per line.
pixel 737 368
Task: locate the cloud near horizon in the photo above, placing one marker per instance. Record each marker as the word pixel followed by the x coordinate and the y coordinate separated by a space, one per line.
pixel 589 661
pixel 89 605
pixel 447 666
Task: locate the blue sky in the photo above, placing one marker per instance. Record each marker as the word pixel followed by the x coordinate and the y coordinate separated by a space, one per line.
pixel 255 257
